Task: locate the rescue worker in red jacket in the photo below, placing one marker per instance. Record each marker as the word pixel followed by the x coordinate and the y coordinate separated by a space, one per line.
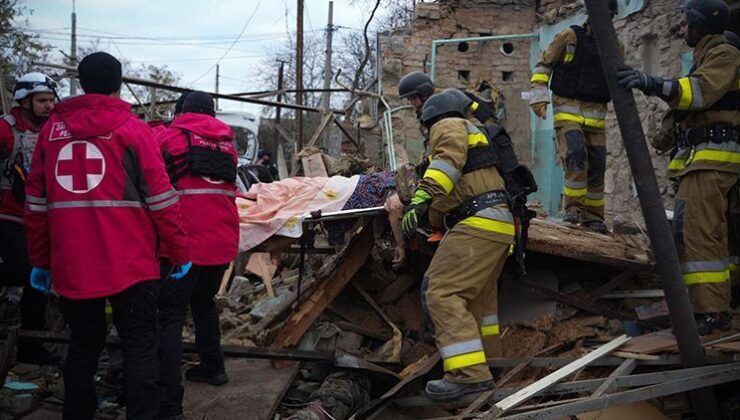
pixel 35 94
pixel 97 201
pixel 201 161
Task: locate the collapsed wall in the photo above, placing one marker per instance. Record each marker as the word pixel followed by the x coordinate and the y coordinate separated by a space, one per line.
pixel 505 64
pixel 651 43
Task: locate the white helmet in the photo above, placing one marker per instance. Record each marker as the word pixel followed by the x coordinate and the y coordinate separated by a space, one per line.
pixel 32 83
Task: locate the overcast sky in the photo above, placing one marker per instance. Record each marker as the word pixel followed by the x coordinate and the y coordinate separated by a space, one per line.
pixel 189 36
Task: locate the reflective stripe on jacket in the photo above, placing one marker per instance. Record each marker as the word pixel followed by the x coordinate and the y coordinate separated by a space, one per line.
pixel 449 142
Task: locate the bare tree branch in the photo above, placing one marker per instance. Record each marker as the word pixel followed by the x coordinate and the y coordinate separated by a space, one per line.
pixel 358 72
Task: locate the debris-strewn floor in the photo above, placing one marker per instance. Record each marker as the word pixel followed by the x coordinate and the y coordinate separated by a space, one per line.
pixel 366 350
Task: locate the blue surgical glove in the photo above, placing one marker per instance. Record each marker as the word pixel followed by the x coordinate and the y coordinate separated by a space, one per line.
pixel 41 280
pixel 181 271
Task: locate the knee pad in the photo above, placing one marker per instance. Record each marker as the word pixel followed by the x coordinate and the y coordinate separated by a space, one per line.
pixel 596 164
pixel 575 156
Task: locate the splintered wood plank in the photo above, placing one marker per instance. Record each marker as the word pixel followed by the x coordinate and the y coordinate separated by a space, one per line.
pixel 553 239
pixel 254 391
pixel 322 295
pixel 313 166
pixel 548 381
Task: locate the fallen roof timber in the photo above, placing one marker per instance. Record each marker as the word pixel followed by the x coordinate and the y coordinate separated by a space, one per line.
pixel 613 250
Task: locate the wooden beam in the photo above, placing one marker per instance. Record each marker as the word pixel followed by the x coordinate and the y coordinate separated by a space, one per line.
pixel 349 262
pixel 634 395
pixel 346 133
pixel 582 303
pixel 612 284
pixel 548 381
pixel 609 383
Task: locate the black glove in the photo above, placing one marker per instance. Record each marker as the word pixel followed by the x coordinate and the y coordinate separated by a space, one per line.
pixel 630 78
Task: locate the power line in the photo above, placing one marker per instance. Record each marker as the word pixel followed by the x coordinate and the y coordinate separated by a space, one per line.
pixel 244 28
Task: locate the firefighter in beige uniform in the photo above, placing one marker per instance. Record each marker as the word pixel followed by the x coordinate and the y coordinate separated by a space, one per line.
pixel 470 201
pixel 572 67
pixel 707 159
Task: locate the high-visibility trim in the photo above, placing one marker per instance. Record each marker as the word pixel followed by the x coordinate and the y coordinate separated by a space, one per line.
pixel 687 97
pixel 475 137
pixel 11 218
pixel 457 349
pixel 502 215
pixel 36 207
pixel 164 204
pixel 540 78
pixel 595 115
pixel 490 225
pixel 697 101
pixel 193 191
pixel 594 123
pixel 717 156
pixel 489 330
pixel 570 53
pixel 447 168
pixel 677 164
pixel 542 70
pixel 94 203
pixel 474 106
pixel 734 262
pixel 707 277
pixel 563 116
pixel 35 200
pixel 702 266
pixel 159 197
pixel 575 192
pixel 440 178
pixel 576 184
pixel 590 202
pixel 489 325
pixel 464 360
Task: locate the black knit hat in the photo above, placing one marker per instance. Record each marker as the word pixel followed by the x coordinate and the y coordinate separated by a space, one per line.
pixel 199 103
pixel 180 102
pixel 100 73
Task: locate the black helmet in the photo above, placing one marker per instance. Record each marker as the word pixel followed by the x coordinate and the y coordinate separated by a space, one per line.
pixel 442 105
pixel 709 16
pixel 416 83
pixel 461 96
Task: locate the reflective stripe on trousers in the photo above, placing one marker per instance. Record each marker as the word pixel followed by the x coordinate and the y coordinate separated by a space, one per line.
pixel 492 220
pixel 698 272
pixel 575 189
pixel 567 113
pixel 594 199
pixel 489 325
pixel 460 355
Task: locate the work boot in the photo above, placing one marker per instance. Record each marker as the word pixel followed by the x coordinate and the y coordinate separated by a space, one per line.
pixel 198 374
pixel 444 390
pixel 708 323
pixel 572 217
pixel 596 225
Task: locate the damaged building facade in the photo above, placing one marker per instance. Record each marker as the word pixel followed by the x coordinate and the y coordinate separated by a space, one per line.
pixel 648 29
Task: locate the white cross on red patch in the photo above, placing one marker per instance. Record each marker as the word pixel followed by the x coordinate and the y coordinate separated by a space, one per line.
pixel 80 167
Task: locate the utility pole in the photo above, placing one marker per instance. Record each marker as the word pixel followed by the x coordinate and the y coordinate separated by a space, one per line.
pixel 282 169
pixel 326 100
pixel 299 78
pixel 73 51
pixel 278 109
pixel 703 400
pixel 218 69
pixel 333 144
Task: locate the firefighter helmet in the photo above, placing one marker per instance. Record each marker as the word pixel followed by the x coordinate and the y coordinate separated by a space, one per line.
pixel 32 83
pixel 416 83
pixel 709 16
pixel 444 104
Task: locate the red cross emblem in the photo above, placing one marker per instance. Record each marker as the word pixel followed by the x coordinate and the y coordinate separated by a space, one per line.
pixel 80 167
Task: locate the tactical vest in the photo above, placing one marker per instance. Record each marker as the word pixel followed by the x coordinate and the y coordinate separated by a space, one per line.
pixel 583 78
pixel 19 158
